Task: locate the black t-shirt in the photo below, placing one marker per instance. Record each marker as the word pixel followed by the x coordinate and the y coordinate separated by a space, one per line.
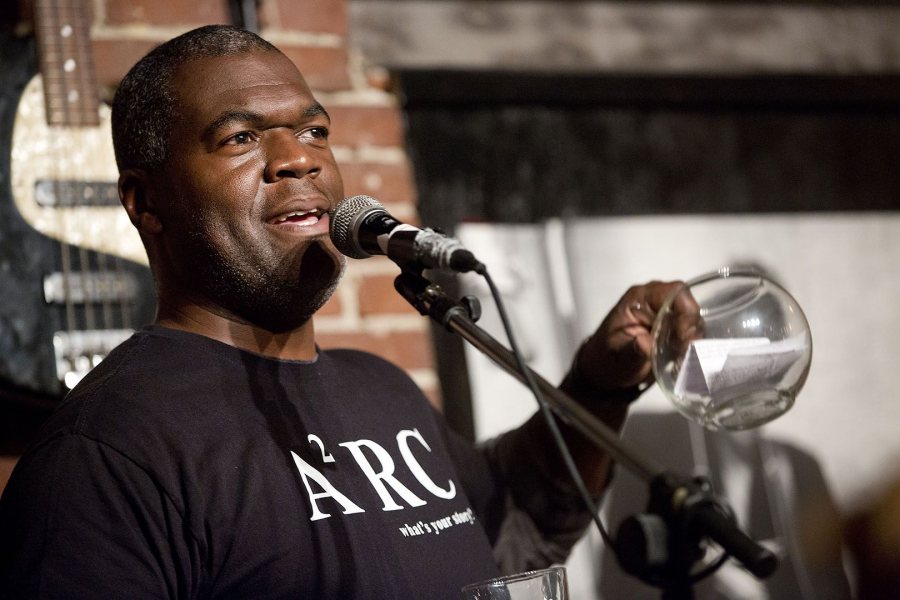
pixel 182 467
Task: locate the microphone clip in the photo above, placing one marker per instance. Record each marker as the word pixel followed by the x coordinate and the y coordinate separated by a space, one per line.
pixel 430 299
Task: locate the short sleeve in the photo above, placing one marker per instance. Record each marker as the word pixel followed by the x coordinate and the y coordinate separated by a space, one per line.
pixel 80 520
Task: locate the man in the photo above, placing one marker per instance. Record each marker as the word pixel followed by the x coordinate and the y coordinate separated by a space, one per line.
pixel 220 453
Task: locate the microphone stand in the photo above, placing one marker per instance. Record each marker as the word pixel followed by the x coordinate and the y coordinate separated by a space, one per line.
pixel 659 546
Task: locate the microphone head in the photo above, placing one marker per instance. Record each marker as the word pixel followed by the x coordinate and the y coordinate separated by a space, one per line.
pixel 345 220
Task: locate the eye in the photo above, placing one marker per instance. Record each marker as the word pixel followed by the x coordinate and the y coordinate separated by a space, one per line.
pixel 314 134
pixel 241 138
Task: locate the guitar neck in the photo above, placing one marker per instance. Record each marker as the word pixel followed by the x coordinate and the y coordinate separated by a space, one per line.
pixel 66 59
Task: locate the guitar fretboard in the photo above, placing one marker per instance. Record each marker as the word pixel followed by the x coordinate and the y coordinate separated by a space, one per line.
pixel 63 35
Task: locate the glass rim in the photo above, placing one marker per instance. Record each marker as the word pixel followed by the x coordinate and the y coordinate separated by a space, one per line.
pixel 720 274
pixel 725 273
pixel 515 577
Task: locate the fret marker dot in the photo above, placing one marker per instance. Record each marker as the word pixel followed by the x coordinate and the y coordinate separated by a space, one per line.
pixel 66 31
pixel 69 65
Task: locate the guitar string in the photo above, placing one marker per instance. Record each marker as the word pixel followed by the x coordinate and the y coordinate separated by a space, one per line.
pixel 56 155
pixel 96 283
pixel 118 287
pixel 70 274
pixel 76 119
pixel 123 287
pixel 83 105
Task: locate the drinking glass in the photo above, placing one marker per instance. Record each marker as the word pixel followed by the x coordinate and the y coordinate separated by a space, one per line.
pixel 544 584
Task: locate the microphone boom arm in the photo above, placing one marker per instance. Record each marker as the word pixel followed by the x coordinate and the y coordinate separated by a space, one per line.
pixel 688 508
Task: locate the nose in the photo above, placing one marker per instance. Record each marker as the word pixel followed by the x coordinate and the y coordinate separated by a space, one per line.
pixel 288 157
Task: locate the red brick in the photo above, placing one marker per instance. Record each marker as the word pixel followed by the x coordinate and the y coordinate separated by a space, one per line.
pixel 324 68
pixel 408 350
pixel 113 58
pixel 317 16
pixel 366 126
pixel 6 466
pixel 377 296
pixel 332 307
pixel 434 397
pixel 388 183
pixel 172 12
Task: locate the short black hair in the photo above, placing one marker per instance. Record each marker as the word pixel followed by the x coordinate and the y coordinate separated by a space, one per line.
pixel 143 106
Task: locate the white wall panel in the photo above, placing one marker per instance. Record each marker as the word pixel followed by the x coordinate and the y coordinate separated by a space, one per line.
pixel 844 270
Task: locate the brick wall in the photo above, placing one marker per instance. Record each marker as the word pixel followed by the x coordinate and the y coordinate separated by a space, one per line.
pixel 367 137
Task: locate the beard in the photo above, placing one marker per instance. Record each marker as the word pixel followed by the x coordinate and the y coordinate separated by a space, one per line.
pixel 276 293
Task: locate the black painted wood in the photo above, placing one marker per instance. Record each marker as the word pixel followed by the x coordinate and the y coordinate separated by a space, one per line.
pixel 628 147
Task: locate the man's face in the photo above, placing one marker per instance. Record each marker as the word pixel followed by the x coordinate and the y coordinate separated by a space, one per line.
pixel 245 191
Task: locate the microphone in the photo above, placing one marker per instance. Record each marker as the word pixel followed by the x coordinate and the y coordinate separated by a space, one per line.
pixel 361 227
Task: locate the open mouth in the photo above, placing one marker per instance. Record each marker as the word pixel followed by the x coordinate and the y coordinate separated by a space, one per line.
pixel 302 218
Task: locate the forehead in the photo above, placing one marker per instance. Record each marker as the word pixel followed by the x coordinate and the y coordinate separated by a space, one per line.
pixel 204 87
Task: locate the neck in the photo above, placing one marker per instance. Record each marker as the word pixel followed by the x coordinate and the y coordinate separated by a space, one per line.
pixel 295 344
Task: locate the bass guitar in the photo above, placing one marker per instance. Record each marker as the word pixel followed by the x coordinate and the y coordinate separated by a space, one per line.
pixel 73 271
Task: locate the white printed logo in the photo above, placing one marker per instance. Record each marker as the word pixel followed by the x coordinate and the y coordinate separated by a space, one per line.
pixel 380 475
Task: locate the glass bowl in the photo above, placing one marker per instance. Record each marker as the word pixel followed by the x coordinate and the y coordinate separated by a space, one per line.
pixel 731 349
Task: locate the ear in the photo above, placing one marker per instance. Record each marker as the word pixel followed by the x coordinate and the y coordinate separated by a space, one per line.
pixel 137 198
